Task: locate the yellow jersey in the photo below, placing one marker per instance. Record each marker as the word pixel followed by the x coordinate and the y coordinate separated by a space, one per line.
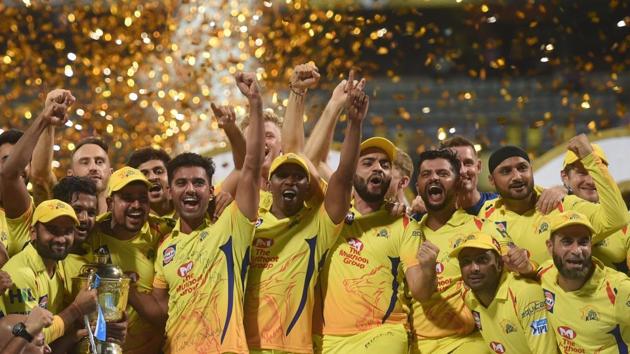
pixel 614 250
pixel 279 295
pixel 516 319
pixel 530 230
pixel 444 314
pixel 69 268
pixel 135 257
pixel 593 319
pixel 32 286
pixel 19 230
pixel 204 272
pixel 4 230
pixel 363 275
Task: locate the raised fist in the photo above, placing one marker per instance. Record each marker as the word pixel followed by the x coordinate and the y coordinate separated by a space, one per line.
pixel 225 115
pixel 305 76
pixel 580 145
pixel 247 84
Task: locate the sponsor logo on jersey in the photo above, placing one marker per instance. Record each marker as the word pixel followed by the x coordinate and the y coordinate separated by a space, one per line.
pixel 349 218
pixel 168 254
pixel 550 299
pixel 439 267
pixel 258 222
pixel 184 269
pixel 567 332
pixel 356 244
pixel 416 233
pixel 539 327
pixel 43 302
pixel 203 235
pixel 262 242
pixel 497 347
pixel 477 319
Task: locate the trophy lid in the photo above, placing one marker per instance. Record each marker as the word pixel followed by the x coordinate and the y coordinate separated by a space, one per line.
pixel 102 267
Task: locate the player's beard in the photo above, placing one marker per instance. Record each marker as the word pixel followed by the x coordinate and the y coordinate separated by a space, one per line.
pixel 361 187
pixel 573 274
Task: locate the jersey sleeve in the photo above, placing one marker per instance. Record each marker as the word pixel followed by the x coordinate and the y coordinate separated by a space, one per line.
pixel 410 240
pixel 532 314
pixel 19 233
pixel 159 280
pixel 20 297
pixel 328 231
pixel 611 213
pixel 240 228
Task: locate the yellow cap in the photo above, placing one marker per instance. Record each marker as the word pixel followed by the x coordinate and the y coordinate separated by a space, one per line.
pixel 51 209
pixel 381 143
pixel 556 222
pixel 570 157
pixel 477 240
pixel 289 158
pixel 122 177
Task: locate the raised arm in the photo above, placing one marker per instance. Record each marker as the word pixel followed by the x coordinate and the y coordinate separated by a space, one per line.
pixel 421 278
pixel 319 142
pixel 247 190
pixel 337 200
pixel 41 175
pixel 304 76
pixel 226 117
pixel 12 182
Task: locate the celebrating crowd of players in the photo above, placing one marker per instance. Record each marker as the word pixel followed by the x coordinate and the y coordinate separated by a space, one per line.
pixel 287 256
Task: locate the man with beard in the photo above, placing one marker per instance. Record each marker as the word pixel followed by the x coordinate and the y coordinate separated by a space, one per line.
pixel 90 159
pixel 15 162
pixel 201 266
pixel 441 323
pixel 614 250
pixel 37 280
pixel 361 282
pixel 131 236
pixel 514 214
pixel 152 163
pixel 508 310
pixel 294 233
pixel 588 304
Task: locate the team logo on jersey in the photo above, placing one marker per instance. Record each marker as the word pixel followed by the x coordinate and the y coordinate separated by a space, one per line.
pixel 477 318
pixel 543 227
pixel 383 233
pixel 439 267
pixel 356 244
pixel 349 218
pixel 43 302
pixel 184 269
pixel 203 235
pixel 539 327
pixel 262 242
pixel 589 314
pixel 168 254
pixel 258 222
pixel 550 299
pixel 508 327
pixel 497 347
pixel 133 276
pixel 567 332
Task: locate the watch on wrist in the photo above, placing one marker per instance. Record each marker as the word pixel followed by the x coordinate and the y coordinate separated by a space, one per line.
pixel 19 330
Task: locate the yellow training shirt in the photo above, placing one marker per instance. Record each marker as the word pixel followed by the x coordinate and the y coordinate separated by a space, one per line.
pixel 614 250
pixel 135 257
pixel 19 230
pixel 530 230
pixel 32 286
pixel 204 273
pixel 362 279
pixel 279 295
pixel 516 320
pixel 593 319
pixel 444 314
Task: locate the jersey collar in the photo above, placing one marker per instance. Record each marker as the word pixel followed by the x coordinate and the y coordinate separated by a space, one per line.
pixel 33 259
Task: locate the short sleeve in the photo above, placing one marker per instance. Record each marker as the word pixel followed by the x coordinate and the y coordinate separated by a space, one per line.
pixel 19 233
pixel 328 231
pixel 411 239
pixel 159 280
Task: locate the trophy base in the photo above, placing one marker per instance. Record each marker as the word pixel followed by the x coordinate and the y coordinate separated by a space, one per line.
pixel 83 347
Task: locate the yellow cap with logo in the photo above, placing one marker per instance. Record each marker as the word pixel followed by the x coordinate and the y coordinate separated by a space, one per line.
pixel 568 218
pixel 289 158
pixel 477 240
pixel 122 177
pixel 381 143
pixel 570 157
pixel 51 209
